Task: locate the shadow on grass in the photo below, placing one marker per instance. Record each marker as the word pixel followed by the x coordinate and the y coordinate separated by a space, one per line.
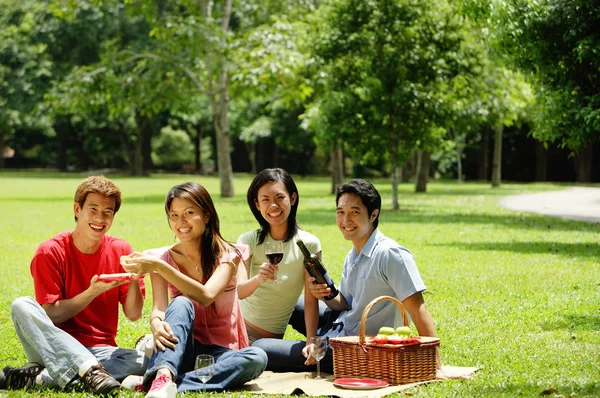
pixel 559 248
pixel 520 221
pixel 591 389
pixel 574 323
pixel 420 215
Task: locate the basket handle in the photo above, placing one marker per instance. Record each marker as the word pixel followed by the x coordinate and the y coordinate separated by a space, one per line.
pixel 363 318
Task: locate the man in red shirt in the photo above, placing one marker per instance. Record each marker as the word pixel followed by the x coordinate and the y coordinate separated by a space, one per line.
pixel 68 331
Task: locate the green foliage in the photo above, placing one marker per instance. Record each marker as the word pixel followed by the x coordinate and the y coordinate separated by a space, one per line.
pixel 25 67
pixel 512 293
pixel 260 128
pixel 386 63
pixel 556 43
pixel 171 149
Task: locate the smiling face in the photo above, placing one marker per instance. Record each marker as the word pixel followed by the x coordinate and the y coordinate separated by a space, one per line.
pixel 94 218
pixel 354 221
pixel 274 203
pixel 187 220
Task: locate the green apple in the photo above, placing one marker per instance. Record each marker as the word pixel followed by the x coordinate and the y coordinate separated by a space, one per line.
pixel 403 331
pixel 386 330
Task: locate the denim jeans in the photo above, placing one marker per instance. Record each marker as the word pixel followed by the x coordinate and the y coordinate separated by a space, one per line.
pixel 286 355
pixel 233 368
pixel 61 353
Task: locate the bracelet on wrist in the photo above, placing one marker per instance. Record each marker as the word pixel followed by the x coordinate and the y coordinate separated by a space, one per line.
pixel 156 317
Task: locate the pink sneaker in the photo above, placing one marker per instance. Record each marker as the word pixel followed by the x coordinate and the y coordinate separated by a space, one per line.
pixel 162 387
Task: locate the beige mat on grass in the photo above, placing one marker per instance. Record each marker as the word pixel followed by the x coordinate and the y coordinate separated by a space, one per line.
pixel 304 383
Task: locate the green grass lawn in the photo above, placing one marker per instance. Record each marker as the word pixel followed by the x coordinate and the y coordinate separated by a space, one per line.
pixel 515 294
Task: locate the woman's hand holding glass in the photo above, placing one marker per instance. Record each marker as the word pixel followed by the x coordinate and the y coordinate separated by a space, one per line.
pixel 274 252
pixel 266 272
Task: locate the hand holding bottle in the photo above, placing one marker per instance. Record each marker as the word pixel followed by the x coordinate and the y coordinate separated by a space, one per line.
pixel 315 268
pixel 319 290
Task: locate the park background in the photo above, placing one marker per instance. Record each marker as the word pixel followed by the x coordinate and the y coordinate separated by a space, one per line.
pixel 434 101
pixel 410 90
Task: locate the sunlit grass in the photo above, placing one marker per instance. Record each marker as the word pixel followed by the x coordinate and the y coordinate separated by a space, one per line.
pixel 516 294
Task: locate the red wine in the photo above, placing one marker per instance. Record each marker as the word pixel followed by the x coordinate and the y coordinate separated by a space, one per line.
pixel 275 258
pixel 316 269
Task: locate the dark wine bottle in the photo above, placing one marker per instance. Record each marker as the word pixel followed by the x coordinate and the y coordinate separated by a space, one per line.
pixel 315 268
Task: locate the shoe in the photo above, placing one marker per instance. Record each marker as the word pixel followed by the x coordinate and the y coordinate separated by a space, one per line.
pixel 162 387
pixel 19 378
pixel 146 344
pixel 133 382
pixel 99 381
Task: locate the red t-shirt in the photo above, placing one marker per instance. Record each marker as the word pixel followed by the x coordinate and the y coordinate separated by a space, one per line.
pixel 221 323
pixel 60 271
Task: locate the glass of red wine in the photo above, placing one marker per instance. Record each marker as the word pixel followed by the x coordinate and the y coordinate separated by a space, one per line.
pixel 274 251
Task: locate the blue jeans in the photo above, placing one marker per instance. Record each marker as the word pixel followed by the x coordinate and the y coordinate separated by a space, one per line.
pixel 286 355
pixel 233 368
pixel 61 353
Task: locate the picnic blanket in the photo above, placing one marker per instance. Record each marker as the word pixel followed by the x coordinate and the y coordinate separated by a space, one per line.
pixel 305 384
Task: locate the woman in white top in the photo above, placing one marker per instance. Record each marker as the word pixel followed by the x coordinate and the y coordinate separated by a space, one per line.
pixel 267 303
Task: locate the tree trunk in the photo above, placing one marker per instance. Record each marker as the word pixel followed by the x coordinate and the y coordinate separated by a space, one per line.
pixel 484 155
pixel 583 164
pixel 396 180
pixel 395 172
pixel 63 131
pixel 406 170
pixel 337 165
pixel 497 164
pixel 459 169
pixel 128 145
pixel 197 148
pixel 2 141
pixel 459 148
pixel 423 165
pixel 251 148
pixel 143 130
pixel 541 162
pixel 223 148
pixel 220 104
pixel 147 164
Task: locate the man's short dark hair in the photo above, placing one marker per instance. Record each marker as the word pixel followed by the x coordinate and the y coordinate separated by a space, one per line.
pixel 100 185
pixel 367 193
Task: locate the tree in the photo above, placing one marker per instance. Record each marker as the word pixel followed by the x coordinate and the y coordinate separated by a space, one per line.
pixel 25 68
pixel 386 60
pixel 556 44
pixel 203 43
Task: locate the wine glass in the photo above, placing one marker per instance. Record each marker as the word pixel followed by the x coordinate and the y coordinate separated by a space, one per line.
pixel 274 251
pixel 205 368
pixel 319 350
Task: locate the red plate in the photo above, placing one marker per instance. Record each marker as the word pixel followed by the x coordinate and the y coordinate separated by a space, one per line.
pixel 116 277
pixel 360 383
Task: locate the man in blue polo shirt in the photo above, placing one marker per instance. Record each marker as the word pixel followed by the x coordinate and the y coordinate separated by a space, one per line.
pixel 376 266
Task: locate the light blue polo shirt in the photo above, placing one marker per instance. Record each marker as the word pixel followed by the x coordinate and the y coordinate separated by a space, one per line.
pixel 383 268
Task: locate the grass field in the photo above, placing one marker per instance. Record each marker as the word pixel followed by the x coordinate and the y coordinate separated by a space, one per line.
pixel 515 294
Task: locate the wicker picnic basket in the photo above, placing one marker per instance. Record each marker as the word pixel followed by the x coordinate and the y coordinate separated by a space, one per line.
pixel 354 356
